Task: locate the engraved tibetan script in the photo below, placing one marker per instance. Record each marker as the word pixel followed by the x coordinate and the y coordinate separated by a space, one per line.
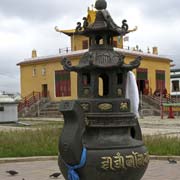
pixel 103 59
pixel 107 163
pixel 119 162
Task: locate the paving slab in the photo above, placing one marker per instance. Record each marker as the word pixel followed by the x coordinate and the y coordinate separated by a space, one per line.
pixel 162 170
pixel 36 170
pixel 40 170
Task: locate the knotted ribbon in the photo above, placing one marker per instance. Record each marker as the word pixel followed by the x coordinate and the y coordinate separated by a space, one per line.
pixel 72 174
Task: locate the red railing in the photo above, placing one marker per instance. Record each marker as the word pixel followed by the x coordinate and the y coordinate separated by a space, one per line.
pixel 165 99
pixel 29 100
pixel 161 100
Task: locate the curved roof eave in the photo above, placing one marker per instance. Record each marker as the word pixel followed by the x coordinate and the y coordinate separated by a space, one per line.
pixel 52 57
pixel 81 52
pixel 137 53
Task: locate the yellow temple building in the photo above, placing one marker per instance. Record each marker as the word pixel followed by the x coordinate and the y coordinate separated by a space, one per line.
pixel 46 74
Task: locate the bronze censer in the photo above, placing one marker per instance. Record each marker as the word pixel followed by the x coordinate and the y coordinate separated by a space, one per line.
pixel 101 138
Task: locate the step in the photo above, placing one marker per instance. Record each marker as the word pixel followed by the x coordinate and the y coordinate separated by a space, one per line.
pixel 50 112
pixel 50 109
pixel 52 105
pixel 147 112
pixel 51 116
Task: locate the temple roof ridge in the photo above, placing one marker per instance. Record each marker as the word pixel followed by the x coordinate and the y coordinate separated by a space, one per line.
pixel 81 52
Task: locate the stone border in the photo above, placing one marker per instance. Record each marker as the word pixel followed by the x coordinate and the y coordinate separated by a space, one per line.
pixel 48 158
pixel 27 159
pixel 154 157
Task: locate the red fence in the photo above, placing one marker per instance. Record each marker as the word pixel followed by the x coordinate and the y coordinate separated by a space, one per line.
pixel 29 100
pixel 165 99
pixel 168 104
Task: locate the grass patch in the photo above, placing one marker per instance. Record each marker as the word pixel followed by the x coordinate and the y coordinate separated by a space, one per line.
pixel 43 141
pixel 22 143
pixel 163 145
pixel 40 124
pixel 35 124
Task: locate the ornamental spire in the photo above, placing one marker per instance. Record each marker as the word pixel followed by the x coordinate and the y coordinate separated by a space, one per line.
pixel 100 4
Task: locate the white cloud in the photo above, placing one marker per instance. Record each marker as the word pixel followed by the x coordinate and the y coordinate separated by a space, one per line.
pixel 9 84
pixel 25 25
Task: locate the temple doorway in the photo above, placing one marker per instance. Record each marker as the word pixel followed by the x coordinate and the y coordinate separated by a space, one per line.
pixel 44 90
pixel 142 81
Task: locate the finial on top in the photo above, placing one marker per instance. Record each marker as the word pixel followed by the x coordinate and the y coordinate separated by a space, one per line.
pixel 34 53
pixel 100 4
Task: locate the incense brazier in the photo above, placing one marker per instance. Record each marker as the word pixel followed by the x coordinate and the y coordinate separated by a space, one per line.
pixel 101 138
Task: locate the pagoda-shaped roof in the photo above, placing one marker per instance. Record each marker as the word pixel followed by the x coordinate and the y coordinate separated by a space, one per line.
pixel 102 60
pixel 101 32
pixel 103 22
pixel 98 20
pixel 91 15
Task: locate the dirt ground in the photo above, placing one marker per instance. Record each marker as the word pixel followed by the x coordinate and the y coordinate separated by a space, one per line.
pixel 150 125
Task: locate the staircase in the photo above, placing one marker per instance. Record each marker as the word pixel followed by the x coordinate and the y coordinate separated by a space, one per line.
pixel 43 108
pixel 50 109
pixel 150 106
pixel 29 100
pixel 36 105
pixel 34 109
pixel 149 109
pixel 30 105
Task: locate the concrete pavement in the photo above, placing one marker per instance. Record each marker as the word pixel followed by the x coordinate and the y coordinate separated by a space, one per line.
pixel 40 170
pixel 162 170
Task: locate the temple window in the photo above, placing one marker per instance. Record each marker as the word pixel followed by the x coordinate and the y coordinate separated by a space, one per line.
pixel 43 71
pixel 90 41
pixel 34 71
pixel 103 85
pixel 175 85
pixel 86 79
pixel 109 40
pixel 114 43
pixel 160 79
pixel 62 83
pixel 1 108
pixel 85 44
pixel 119 78
pixel 99 40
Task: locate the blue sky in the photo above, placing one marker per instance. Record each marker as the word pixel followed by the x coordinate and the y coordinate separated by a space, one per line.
pixel 25 25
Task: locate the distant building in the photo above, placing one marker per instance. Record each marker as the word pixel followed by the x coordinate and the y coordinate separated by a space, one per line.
pixel 46 74
pixel 175 82
pixel 8 109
